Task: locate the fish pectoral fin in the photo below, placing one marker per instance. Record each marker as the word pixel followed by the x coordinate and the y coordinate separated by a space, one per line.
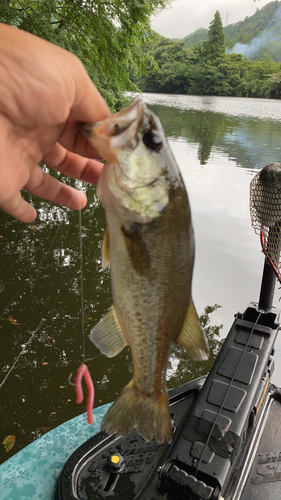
pixel 192 337
pixel 108 336
pixel 105 252
pixel 137 249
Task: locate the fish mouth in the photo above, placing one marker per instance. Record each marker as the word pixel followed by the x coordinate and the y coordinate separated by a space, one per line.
pixel 124 129
pixel 116 124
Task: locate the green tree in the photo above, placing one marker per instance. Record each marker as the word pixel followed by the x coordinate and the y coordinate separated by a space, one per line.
pixel 257 75
pixel 214 47
pixel 106 35
pixel 170 74
pixel 272 86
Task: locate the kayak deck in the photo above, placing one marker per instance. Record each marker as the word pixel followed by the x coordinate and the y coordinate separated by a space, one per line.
pixel 219 424
pixel 264 477
pixel 33 472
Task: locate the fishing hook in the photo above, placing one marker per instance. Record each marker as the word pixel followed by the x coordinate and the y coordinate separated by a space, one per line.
pixel 69 379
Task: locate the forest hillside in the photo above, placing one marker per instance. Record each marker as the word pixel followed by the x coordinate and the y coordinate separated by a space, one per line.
pixel 255 37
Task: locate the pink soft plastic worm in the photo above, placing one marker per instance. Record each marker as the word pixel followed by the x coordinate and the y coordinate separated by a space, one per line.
pixel 84 372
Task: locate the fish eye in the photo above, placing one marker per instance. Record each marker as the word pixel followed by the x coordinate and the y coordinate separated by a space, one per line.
pixel 152 140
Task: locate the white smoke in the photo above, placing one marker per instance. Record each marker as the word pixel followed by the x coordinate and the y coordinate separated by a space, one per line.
pixel 270 34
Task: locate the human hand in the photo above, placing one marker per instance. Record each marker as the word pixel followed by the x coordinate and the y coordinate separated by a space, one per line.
pixel 44 92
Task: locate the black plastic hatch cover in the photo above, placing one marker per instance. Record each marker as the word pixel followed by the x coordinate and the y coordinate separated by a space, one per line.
pixel 120 468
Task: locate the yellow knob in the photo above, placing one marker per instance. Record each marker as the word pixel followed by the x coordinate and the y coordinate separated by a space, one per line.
pixel 115 459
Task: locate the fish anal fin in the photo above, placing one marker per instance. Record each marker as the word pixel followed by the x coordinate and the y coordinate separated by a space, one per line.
pixel 137 249
pixel 192 337
pixel 135 410
pixel 105 251
pixel 108 336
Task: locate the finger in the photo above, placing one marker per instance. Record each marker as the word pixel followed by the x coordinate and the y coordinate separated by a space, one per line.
pixel 19 208
pixel 88 104
pixel 45 186
pixel 73 165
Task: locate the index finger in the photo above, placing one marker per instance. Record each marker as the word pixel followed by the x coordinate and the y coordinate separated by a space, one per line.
pixel 88 102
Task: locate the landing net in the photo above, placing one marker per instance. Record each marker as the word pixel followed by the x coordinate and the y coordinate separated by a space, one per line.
pixel 265 211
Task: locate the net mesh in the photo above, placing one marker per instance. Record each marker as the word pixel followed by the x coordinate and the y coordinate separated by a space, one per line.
pixel 265 211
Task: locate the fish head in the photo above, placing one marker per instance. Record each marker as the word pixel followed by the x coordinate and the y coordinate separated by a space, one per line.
pixel 135 181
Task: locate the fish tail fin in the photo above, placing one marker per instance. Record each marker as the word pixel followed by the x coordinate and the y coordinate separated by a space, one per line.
pixel 133 409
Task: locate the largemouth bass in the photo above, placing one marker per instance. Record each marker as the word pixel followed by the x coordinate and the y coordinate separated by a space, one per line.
pixel 149 245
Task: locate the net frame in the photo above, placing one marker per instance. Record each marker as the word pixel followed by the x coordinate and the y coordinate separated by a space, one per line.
pixel 265 212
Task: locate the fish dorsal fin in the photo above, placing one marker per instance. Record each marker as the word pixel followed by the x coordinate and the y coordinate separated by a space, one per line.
pixel 105 252
pixel 108 336
pixel 192 338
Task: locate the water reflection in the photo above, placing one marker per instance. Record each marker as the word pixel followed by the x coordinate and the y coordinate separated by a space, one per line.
pixel 259 109
pixel 243 138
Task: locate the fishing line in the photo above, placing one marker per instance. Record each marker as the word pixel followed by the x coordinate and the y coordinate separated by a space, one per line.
pixel 82 286
pixel 22 352
pixel 227 392
pixel 83 371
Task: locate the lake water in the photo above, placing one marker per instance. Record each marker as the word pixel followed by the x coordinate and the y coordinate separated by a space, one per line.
pixel 220 143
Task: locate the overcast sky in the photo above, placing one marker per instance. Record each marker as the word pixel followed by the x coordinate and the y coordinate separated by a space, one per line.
pixel 185 16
